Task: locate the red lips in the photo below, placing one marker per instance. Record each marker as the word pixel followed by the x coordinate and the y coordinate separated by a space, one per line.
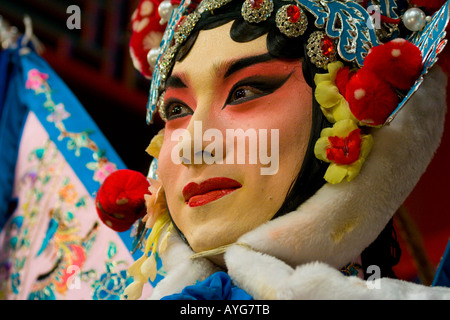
pixel 209 190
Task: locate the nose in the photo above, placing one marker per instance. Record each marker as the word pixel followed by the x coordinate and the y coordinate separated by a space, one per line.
pixel 195 147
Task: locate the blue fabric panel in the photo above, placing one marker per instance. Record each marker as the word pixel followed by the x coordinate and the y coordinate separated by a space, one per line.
pixel 11 125
pixel 442 277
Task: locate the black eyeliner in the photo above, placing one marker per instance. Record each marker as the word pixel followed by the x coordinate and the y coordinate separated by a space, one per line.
pixel 266 84
pixel 169 103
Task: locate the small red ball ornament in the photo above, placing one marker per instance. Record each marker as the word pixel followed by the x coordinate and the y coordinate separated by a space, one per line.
pixel 343 76
pixel 120 199
pixel 371 100
pixel 398 62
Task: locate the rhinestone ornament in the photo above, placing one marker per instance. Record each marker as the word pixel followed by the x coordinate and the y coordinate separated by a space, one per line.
pixel 160 106
pixel 291 20
pixel 182 31
pixel 255 11
pixel 185 27
pixel 321 49
pixel 211 5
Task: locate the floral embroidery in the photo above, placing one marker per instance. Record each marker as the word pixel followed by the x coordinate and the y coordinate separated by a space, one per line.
pixel 110 286
pixel 68 193
pixel 38 82
pixel 61 239
pixel 72 251
pixel 102 169
pixel 59 114
pixel 112 283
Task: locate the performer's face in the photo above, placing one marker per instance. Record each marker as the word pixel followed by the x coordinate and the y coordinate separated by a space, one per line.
pixel 218 192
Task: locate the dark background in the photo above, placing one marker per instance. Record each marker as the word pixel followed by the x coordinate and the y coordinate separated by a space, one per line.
pixel 95 63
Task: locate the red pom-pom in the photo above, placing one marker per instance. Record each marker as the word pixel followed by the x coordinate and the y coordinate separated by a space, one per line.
pixel 371 100
pixel 343 76
pixel 398 62
pixel 120 199
pixel 147 34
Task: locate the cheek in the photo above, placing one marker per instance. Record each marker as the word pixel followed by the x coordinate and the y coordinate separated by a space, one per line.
pixel 291 116
pixel 294 120
pixel 166 166
pixel 295 115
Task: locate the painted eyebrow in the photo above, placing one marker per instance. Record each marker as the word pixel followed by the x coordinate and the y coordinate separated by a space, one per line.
pixel 240 64
pixel 175 82
pixel 227 69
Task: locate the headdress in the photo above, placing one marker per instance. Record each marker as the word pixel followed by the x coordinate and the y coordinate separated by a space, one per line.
pixel 373 56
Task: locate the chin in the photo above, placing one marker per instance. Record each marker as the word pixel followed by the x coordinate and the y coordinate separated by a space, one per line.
pixel 208 238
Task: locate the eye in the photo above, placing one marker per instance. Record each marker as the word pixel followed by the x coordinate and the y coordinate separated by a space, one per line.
pixel 244 93
pixel 176 109
pixel 253 88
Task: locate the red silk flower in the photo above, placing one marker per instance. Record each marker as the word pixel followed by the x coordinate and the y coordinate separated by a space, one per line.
pixel 345 150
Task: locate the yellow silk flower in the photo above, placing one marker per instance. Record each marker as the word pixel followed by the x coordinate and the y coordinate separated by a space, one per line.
pixel 155 145
pixel 333 104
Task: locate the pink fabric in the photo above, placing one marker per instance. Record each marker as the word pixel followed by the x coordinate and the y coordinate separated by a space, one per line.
pixel 84 258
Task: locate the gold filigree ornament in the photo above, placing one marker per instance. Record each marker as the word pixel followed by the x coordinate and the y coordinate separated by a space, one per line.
pixel 291 20
pixel 211 5
pixel 182 32
pixel 321 49
pixel 161 108
pixel 255 11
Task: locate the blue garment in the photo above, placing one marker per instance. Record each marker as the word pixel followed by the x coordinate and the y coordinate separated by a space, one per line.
pixel 442 277
pixel 4 75
pixel 13 115
pixel 218 286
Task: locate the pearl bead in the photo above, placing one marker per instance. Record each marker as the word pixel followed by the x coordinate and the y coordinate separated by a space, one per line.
pixel 414 19
pixel 165 10
pixel 152 56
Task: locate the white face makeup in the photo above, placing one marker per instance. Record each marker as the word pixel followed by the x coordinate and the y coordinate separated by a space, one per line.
pixel 224 85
